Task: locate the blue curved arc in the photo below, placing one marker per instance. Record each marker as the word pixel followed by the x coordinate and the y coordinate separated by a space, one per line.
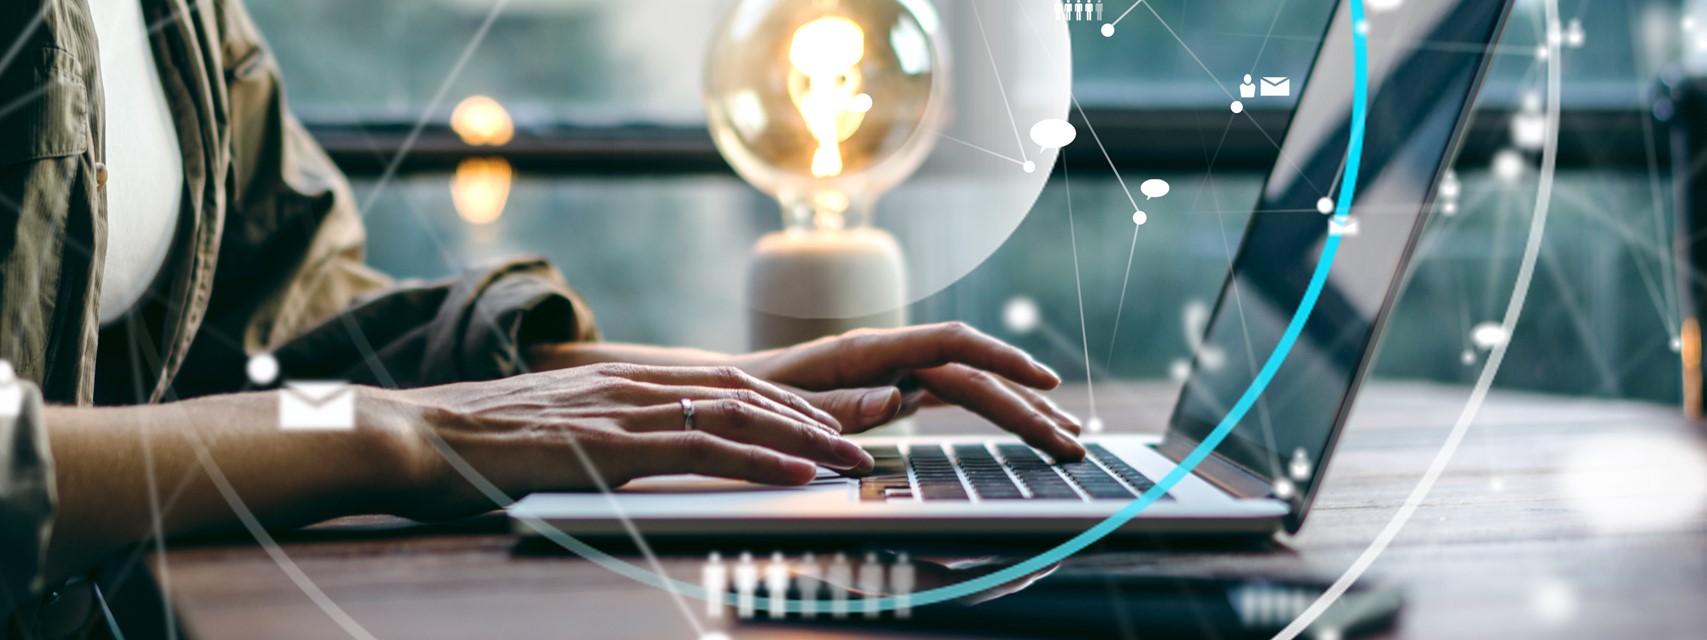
pixel 1330 249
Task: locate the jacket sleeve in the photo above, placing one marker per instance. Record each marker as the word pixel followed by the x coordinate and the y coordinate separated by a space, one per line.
pixel 26 495
pixel 291 277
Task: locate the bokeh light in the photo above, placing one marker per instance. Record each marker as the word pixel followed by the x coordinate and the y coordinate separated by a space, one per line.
pixel 1630 482
pixel 481 121
pixel 480 189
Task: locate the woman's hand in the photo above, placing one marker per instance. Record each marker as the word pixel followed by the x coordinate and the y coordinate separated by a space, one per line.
pixel 521 433
pixel 920 366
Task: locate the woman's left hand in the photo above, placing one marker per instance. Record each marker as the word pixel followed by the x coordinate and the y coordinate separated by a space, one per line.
pixel 869 377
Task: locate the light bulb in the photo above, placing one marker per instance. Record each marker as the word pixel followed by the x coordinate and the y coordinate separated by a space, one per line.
pixel 826 104
pixel 481 121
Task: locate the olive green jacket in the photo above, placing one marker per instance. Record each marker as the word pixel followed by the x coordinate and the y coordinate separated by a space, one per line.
pixel 268 255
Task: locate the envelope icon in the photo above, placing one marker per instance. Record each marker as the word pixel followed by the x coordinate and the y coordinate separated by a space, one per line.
pixel 317 405
pixel 11 393
pixel 1275 86
pixel 1347 228
pixel 11 400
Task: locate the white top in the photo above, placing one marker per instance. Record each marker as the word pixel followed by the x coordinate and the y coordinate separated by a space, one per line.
pixel 144 167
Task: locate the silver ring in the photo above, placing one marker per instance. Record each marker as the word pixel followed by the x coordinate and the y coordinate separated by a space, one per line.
pixel 687 414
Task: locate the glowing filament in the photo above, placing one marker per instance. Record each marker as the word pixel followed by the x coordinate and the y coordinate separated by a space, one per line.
pixel 826 85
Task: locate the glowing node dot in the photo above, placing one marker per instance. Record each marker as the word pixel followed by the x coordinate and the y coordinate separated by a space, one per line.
pixel 1325 205
pixel 1468 357
pixel 1139 218
pixel 1363 27
pixel 1553 602
pixel 1541 53
pixel 1021 315
pixel 1508 164
pixel 1029 166
pixel 1676 345
pixel 1094 425
pixel 1488 335
pixel 1108 30
pixel 1450 208
pixel 1238 107
pixel 263 369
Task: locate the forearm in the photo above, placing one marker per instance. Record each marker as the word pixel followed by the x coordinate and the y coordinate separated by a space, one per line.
pixel 113 466
pixel 550 356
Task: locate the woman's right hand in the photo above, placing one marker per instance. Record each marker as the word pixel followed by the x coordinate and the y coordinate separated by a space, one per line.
pixel 520 433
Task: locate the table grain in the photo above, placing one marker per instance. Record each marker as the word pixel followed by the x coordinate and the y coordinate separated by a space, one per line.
pixel 1496 550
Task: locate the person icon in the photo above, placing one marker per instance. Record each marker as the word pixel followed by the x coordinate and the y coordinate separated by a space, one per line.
pixel 806 585
pixel 714 576
pixel 1247 89
pixel 746 582
pixel 1061 11
pixel 870 584
pixel 901 583
pixel 776 585
pixel 837 579
pixel 1099 10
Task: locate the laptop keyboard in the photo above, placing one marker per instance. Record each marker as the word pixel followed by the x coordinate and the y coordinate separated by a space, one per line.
pixel 1000 472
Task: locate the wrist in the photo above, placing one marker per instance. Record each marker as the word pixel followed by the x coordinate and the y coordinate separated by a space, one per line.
pixel 567 355
pixel 403 469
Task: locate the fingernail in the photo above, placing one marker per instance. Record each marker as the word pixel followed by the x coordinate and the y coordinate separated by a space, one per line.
pixel 1070 418
pixel 849 454
pixel 1071 442
pixel 828 420
pixel 1046 370
pixel 875 405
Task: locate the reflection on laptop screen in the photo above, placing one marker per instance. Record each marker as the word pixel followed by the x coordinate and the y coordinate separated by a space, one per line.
pixel 1424 60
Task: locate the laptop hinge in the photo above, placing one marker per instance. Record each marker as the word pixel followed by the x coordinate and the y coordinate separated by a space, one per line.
pixel 1230 477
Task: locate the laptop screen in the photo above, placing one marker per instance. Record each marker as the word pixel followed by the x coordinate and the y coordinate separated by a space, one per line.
pixel 1424 62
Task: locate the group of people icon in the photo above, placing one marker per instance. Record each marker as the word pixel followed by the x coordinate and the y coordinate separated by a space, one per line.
pixel 1078 11
pixel 819 588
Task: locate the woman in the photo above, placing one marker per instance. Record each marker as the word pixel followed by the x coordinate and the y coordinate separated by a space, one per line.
pixel 163 218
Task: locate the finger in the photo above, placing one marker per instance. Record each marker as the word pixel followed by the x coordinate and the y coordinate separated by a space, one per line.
pixel 748 423
pixel 858 409
pixel 702 453
pixel 912 402
pixel 732 378
pixel 1047 407
pixel 659 394
pixel 864 355
pixel 986 395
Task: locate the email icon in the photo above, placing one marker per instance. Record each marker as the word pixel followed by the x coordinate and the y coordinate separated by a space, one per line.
pixel 324 405
pixel 11 393
pixel 1275 86
pixel 1348 228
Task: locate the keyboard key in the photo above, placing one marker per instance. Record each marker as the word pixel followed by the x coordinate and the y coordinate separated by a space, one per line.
pixel 1125 471
pixel 943 492
pixel 935 475
pixel 1096 482
pixel 989 479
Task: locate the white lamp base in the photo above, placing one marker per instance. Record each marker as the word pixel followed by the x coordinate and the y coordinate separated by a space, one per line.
pixel 803 285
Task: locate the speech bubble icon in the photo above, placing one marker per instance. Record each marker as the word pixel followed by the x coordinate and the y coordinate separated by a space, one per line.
pixel 1154 188
pixel 1053 133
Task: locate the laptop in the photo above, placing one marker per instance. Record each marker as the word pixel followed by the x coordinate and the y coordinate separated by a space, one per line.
pixel 1425 63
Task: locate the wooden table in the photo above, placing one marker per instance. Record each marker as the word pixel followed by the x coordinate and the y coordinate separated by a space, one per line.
pixel 1499 549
